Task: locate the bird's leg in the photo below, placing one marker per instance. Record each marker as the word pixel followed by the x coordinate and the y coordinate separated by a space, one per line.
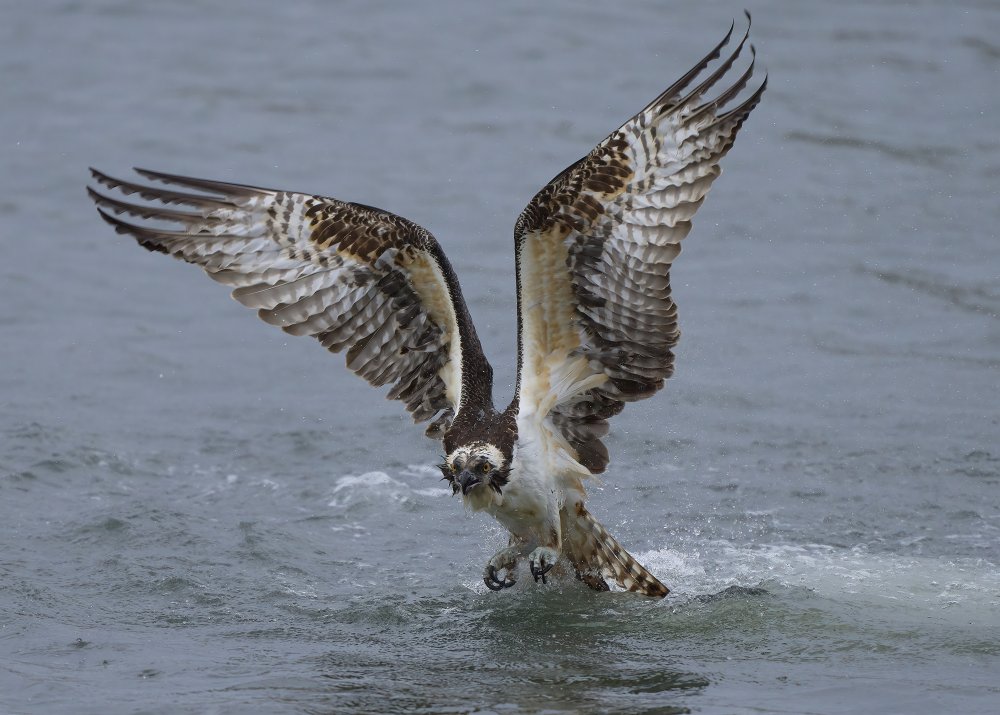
pixel 503 560
pixel 541 561
pixel 543 558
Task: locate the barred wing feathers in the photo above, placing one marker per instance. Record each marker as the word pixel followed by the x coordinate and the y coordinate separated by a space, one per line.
pixel 354 277
pixel 597 324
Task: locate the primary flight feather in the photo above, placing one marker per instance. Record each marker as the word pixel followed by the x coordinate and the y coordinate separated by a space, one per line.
pixel 596 322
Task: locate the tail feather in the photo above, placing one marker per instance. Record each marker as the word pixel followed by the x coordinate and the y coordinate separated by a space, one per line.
pixel 598 555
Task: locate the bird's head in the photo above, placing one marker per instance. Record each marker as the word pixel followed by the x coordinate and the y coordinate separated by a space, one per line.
pixel 478 472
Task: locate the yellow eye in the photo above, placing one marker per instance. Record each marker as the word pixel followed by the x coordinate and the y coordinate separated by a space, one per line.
pixel 484 468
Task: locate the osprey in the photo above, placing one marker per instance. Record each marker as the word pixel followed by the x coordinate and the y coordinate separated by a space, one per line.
pixel 596 321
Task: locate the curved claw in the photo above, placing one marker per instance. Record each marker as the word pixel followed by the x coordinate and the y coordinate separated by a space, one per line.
pixel 541 562
pixel 494 582
pixel 539 573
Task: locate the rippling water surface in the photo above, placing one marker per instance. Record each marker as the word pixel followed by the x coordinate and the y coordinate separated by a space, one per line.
pixel 200 515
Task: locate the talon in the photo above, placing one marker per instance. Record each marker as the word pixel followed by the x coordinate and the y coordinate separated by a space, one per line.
pixel 505 560
pixel 494 583
pixel 542 560
pixel 539 573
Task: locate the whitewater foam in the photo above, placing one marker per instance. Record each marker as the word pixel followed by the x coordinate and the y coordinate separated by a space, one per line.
pixel 363 487
pixel 876 579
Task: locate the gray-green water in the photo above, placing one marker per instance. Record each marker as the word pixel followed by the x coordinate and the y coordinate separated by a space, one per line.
pixel 199 514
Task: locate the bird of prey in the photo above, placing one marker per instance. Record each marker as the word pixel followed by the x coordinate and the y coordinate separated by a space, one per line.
pixel 596 322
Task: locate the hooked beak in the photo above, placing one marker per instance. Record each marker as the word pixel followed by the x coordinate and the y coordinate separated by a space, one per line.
pixel 468 481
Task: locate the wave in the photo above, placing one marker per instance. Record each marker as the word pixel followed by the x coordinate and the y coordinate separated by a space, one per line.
pixel 365 487
pixel 966 585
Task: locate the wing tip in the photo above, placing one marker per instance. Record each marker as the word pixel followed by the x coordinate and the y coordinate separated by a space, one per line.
pixel 122 227
pixel 143 236
pixel 222 190
pixel 102 178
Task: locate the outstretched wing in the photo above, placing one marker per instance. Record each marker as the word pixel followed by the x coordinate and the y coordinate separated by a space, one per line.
pixel 594 247
pixel 354 277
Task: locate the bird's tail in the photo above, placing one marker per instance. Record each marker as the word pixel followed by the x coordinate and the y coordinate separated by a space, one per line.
pixel 597 555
